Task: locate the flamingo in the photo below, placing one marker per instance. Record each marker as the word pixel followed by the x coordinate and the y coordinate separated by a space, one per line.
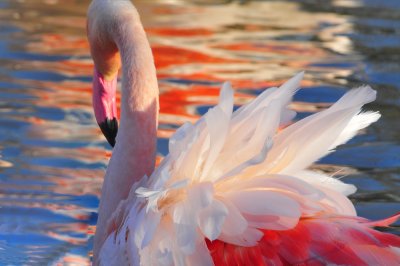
pixel 233 190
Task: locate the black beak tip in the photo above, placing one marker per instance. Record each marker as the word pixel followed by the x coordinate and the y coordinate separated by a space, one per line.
pixel 110 129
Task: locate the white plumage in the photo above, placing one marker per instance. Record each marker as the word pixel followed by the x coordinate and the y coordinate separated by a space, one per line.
pixel 233 173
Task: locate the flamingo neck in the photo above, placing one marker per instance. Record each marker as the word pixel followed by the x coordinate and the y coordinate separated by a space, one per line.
pixel 135 149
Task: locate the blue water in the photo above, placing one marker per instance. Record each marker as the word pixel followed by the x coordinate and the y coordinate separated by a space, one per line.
pixel 54 156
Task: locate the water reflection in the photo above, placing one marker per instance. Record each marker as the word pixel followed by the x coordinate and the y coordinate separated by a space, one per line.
pixel 54 156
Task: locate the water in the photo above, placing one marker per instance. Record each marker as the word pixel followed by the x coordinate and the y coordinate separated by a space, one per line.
pixel 54 156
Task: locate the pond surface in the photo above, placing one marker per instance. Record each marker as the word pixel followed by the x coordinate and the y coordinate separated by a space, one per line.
pixel 54 155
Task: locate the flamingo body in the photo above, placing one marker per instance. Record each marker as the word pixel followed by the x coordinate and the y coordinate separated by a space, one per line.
pixel 233 190
pixel 244 207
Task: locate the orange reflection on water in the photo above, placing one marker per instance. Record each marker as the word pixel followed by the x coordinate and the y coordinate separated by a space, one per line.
pixel 179 32
pixel 57 43
pixel 73 260
pixel 275 48
pixel 167 56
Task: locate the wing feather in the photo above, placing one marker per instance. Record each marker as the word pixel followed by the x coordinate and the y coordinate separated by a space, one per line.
pixel 236 191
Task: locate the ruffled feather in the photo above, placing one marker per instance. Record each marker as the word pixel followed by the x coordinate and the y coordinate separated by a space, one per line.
pixel 321 241
pixel 232 178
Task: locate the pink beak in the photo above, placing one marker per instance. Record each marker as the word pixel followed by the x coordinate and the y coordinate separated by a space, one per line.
pixel 105 107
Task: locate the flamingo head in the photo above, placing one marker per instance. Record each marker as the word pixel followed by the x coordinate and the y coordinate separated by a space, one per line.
pixel 104 104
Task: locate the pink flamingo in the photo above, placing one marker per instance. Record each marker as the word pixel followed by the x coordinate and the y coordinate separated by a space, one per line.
pixel 233 190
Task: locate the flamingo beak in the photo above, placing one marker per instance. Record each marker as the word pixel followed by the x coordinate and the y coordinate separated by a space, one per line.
pixel 110 130
pixel 104 105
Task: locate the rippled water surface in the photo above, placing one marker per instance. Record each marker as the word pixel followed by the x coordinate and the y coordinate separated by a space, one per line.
pixel 54 156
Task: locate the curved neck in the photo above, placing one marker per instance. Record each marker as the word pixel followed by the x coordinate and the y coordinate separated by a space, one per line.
pixel 139 100
pixel 135 148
